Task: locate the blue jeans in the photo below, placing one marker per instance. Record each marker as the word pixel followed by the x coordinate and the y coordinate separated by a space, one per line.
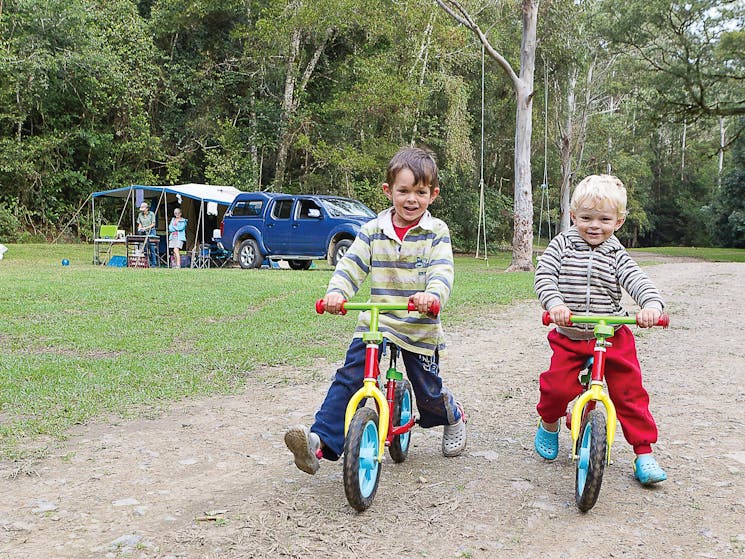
pixel 435 403
pixel 152 252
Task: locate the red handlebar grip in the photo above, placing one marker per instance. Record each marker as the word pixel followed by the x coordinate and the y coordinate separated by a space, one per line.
pixel 434 308
pixel 546 318
pixel 664 320
pixel 321 307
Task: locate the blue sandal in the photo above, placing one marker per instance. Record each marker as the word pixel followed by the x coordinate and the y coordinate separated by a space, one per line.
pixel 546 442
pixel 647 471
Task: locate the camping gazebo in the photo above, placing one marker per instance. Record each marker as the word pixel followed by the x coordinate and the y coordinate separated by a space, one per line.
pixel 203 205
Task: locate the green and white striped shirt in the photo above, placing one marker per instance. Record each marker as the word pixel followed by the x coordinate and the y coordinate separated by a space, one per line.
pixel 423 261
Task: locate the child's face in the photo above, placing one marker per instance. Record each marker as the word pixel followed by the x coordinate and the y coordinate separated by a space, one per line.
pixel 410 200
pixel 596 223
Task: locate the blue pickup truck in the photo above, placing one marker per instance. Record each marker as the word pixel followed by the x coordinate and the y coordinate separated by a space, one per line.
pixel 292 227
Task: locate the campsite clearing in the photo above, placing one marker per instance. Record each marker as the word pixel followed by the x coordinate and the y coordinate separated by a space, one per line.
pixel 210 477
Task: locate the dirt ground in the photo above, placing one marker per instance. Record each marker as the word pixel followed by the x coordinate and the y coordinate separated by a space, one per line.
pixel 212 478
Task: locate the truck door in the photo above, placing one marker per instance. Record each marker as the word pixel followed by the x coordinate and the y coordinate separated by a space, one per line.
pixel 278 235
pixel 309 228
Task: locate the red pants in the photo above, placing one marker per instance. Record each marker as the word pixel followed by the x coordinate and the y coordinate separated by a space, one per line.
pixel 559 385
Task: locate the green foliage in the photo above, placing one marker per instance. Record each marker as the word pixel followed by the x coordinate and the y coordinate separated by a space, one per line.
pixel 727 211
pixel 97 95
pixel 707 80
pixel 10 225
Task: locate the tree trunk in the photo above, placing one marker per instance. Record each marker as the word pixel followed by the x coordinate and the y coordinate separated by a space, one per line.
pixel 291 98
pixel 287 104
pixel 721 151
pixel 522 240
pixel 683 152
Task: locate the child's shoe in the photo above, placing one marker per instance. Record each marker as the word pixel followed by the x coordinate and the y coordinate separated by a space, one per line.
pixel 306 446
pixel 547 442
pixel 454 437
pixel 647 471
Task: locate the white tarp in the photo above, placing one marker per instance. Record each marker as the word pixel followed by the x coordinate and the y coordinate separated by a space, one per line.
pixel 207 192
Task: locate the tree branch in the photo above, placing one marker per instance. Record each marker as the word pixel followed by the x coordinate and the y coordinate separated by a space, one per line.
pixel 454 9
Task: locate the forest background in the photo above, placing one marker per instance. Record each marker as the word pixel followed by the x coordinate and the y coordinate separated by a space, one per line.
pixel 315 96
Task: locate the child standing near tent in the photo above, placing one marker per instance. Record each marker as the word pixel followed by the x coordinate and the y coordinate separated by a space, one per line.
pixel 407 254
pixel 583 271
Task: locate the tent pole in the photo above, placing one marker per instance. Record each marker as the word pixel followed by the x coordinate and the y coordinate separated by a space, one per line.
pixel 134 216
pixel 165 221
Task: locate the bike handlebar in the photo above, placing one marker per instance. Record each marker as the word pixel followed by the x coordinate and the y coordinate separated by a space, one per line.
pixel 663 321
pixel 434 308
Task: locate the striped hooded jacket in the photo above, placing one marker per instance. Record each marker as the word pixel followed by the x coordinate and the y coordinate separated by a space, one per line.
pixel 423 261
pixel 589 281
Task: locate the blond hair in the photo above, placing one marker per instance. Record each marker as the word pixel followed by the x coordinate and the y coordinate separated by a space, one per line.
pixel 599 191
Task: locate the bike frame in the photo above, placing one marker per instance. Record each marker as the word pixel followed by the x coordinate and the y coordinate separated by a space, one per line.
pixel 595 393
pixel 373 338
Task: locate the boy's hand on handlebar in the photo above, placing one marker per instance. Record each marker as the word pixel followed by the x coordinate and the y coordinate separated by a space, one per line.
pixel 333 303
pixel 646 318
pixel 424 301
pixel 560 315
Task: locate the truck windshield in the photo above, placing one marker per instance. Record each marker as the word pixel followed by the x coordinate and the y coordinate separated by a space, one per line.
pixel 340 207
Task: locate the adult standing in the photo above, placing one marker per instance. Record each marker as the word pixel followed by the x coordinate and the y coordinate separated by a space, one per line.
pixel 146 226
pixel 177 236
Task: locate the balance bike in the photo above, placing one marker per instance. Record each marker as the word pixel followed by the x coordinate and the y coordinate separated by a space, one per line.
pixel 593 435
pixel 368 431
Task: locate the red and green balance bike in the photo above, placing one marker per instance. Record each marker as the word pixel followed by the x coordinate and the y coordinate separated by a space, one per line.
pixel 368 431
pixel 593 431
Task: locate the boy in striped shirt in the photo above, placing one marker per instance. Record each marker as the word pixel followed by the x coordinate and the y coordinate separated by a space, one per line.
pixel 583 271
pixel 407 255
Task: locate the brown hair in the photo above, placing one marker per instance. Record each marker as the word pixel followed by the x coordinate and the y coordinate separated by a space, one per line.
pixel 420 161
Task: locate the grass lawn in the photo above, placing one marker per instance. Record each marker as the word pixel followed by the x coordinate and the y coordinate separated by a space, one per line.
pixel 82 341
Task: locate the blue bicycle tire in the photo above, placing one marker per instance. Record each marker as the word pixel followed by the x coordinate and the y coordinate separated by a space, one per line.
pixel 403 410
pixel 361 465
pixel 590 464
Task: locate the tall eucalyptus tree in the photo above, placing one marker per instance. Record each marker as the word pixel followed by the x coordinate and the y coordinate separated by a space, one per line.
pixel 522 84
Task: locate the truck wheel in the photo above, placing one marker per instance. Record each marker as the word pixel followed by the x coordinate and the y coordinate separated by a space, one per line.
pixel 249 255
pixel 300 264
pixel 340 250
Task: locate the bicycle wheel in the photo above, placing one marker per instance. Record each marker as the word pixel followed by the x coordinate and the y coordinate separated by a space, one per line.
pixel 361 466
pixel 591 451
pixel 402 412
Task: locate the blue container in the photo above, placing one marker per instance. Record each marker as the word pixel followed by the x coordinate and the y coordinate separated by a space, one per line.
pixel 118 261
